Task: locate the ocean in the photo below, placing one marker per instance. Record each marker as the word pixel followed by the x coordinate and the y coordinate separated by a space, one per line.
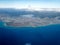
pixel 46 35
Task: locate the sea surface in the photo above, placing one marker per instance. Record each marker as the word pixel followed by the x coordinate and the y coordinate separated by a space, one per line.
pixel 46 35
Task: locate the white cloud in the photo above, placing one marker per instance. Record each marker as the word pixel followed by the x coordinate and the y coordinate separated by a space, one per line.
pixel 28 16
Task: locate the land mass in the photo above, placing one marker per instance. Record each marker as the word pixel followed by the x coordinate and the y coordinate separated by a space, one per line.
pixel 27 17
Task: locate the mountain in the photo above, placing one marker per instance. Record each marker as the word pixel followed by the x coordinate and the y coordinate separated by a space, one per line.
pixel 38 13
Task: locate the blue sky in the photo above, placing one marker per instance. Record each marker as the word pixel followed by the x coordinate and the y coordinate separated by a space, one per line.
pixel 29 3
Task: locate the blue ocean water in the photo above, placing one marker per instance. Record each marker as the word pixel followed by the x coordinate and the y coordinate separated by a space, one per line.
pixel 46 35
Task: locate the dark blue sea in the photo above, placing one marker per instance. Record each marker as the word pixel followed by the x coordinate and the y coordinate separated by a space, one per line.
pixel 46 35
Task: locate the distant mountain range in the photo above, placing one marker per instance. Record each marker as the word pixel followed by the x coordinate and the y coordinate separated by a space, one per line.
pixel 44 12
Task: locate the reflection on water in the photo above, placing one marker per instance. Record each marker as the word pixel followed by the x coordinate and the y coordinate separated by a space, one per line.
pixel 28 44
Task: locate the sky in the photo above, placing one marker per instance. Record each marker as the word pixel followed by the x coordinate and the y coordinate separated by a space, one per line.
pixel 29 4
